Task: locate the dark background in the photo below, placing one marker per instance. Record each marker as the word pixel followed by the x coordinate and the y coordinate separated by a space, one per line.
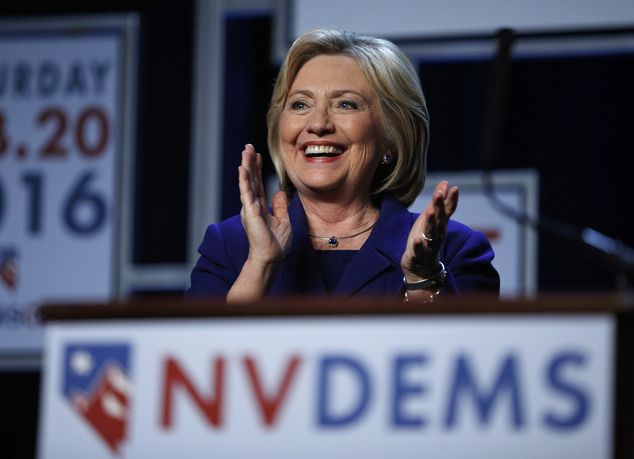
pixel 570 118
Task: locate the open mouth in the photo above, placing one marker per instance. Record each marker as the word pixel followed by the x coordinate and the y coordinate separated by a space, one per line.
pixel 315 151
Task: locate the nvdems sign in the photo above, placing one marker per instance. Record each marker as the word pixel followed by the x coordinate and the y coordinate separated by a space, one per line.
pixel 521 386
pixel 63 137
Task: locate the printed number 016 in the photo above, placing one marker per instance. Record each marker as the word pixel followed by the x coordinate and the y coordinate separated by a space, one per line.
pixel 84 210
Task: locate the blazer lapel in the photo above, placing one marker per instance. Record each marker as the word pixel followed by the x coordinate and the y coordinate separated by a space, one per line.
pixel 382 251
pixel 300 271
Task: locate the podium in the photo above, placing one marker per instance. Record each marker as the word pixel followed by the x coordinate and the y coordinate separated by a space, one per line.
pixel 315 378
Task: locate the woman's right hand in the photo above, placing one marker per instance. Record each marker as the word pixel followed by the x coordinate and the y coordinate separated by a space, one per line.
pixel 269 235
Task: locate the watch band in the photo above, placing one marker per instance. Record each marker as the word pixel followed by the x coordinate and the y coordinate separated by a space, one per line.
pixel 434 281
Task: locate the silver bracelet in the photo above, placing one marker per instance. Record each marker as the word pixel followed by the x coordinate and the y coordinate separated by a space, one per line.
pixel 435 280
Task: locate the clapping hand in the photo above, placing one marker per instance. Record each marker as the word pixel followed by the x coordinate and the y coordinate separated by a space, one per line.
pixel 420 260
pixel 269 234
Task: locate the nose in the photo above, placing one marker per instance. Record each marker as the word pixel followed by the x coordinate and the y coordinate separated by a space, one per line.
pixel 320 122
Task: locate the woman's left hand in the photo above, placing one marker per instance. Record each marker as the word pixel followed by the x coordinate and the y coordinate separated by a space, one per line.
pixel 420 260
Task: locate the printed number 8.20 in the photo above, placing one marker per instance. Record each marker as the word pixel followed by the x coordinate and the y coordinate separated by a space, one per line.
pixel 91 133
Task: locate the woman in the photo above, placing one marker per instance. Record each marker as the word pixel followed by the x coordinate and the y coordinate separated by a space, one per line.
pixel 348 133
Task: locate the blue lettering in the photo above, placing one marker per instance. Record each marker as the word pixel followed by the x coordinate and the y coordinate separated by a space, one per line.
pixel 99 75
pixel 328 364
pixel 576 394
pixel 48 78
pixel 4 79
pixel 402 391
pixel 22 80
pixel 1 193
pixel 76 82
pixel 464 382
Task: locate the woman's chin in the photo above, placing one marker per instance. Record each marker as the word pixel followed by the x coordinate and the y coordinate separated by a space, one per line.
pixel 329 191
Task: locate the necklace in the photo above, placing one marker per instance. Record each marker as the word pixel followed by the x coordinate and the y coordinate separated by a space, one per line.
pixel 333 241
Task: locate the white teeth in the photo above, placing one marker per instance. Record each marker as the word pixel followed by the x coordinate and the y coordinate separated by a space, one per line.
pixel 322 149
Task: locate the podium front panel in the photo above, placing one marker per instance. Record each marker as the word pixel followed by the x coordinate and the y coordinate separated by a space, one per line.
pixel 406 386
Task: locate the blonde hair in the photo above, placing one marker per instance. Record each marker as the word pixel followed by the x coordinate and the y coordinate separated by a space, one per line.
pixel 402 104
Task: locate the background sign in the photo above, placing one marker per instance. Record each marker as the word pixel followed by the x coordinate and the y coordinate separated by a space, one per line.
pixel 521 386
pixel 412 18
pixel 60 155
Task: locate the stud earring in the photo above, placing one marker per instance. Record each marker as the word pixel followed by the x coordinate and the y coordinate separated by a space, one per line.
pixel 387 158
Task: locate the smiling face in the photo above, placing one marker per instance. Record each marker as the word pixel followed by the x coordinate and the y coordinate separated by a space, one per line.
pixel 330 131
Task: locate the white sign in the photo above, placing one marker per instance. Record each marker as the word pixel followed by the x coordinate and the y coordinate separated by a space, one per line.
pixel 60 152
pixel 413 18
pixel 521 386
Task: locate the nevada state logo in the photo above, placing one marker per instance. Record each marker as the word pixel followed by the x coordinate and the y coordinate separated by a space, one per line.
pixel 9 269
pixel 98 386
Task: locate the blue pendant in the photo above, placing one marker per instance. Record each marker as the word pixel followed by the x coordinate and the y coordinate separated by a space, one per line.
pixel 332 242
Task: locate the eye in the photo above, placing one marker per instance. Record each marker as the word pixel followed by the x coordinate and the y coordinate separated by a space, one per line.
pixel 348 105
pixel 298 105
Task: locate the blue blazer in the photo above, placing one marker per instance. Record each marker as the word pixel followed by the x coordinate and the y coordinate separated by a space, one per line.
pixel 374 270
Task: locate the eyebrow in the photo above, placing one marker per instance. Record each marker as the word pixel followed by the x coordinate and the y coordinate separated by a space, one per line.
pixel 335 93
pixel 303 92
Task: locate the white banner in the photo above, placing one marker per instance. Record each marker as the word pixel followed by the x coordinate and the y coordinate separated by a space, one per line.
pixel 521 386
pixel 60 152
pixel 413 18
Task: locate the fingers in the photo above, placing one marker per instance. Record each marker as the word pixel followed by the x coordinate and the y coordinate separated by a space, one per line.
pixel 441 190
pixel 445 200
pixel 434 219
pixel 451 203
pixel 434 215
pixel 252 166
pixel 250 181
pixel 252 158
pixel 261 192
pixel 246 194
pixel 252 162
pixel 420 259
pixel 258 165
